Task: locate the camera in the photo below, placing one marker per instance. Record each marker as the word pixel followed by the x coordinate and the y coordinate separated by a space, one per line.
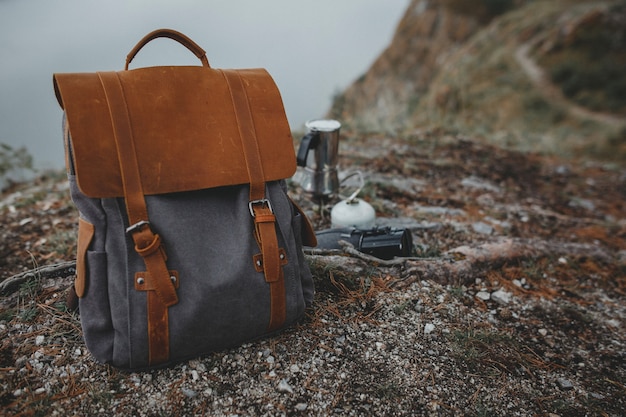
pixel 381 242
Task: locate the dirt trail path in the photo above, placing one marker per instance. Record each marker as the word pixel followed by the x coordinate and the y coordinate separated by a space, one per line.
pixel 553 93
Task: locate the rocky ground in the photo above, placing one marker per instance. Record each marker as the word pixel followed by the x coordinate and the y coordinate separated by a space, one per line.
pixel 513 302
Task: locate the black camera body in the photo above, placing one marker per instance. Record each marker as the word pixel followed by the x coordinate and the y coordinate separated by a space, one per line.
pixel 381 242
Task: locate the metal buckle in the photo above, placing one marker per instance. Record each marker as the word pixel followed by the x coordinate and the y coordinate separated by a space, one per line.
pixel 264 201
pixel 137 226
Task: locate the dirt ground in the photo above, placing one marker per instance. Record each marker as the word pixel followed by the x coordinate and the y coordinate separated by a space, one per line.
pixel 513 301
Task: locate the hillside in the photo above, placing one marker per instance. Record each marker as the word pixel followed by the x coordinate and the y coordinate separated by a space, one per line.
pixel 532 75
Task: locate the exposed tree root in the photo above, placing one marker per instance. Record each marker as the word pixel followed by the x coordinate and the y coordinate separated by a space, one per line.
pixel 63 269
pixel 463 264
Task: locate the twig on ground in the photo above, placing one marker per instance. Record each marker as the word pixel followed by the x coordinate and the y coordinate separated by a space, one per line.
pixel 63 269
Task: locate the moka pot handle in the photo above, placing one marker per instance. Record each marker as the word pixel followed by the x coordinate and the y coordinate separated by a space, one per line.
pixel 309 141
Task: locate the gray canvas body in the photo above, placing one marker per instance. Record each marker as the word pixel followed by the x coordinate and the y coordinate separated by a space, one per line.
pixel 208 236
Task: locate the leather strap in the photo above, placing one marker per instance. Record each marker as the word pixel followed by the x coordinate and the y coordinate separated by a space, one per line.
pixel 147 243
pixel 247 133
pixel 260 208
pixel 265 223
pixel 158 318
pixel 86 232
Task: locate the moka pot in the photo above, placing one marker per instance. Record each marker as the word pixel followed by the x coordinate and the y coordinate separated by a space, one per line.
pixel 318 154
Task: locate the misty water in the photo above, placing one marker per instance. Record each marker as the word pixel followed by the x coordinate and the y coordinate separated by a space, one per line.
pixel 312 49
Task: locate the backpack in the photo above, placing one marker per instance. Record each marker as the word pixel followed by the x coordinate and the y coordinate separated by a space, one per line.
pixel 187 240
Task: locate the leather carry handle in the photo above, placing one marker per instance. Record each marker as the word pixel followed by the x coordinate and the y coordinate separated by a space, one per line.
pixel 171 34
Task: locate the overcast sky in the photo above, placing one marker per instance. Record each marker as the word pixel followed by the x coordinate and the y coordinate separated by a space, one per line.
pixel 312 49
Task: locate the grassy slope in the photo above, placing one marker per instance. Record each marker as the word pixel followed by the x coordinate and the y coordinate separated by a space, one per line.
pixel 484 90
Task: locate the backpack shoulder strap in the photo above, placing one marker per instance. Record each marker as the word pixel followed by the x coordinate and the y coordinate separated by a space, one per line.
pixel 259 205
pixel 147 243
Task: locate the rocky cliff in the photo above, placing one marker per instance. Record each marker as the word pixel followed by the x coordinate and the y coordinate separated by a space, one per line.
pixel 533 75
pixel 384 97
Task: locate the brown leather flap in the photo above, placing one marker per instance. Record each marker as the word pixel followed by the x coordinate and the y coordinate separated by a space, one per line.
pixel 184 126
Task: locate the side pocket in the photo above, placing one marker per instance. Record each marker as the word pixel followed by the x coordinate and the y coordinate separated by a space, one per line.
pixel 306 231
pixel 86 232
pixel 303 231
pixel 91 286
pixel 95 309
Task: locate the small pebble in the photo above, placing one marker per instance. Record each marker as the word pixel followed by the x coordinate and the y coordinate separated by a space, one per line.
pixel 565 384
pixel 482 228
pixel 301 406
pixel 428 328
pixel 25 221
pixel 613 323
pixel 505 313
pixel 283 386
pixel 189 393
pixel 501 297
pixel 597 396
pixel 483 295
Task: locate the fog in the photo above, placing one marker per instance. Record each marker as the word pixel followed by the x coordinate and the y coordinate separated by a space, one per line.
pixel 313 49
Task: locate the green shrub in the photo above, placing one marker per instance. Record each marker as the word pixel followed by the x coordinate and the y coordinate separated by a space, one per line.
pixel 11 159
pixel 483 10
pixel 589 65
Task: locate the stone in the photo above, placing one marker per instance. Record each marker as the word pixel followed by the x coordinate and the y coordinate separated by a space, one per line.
pixel 189 393
pixel 283 386
pixel 565 384
pixel 501 297
pixel 483 295
pixel 479 184
pixel 482 228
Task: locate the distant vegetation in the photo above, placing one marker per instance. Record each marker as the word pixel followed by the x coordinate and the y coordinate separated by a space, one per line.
pixel 483 10
pixel 13 161
pixel 589 63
